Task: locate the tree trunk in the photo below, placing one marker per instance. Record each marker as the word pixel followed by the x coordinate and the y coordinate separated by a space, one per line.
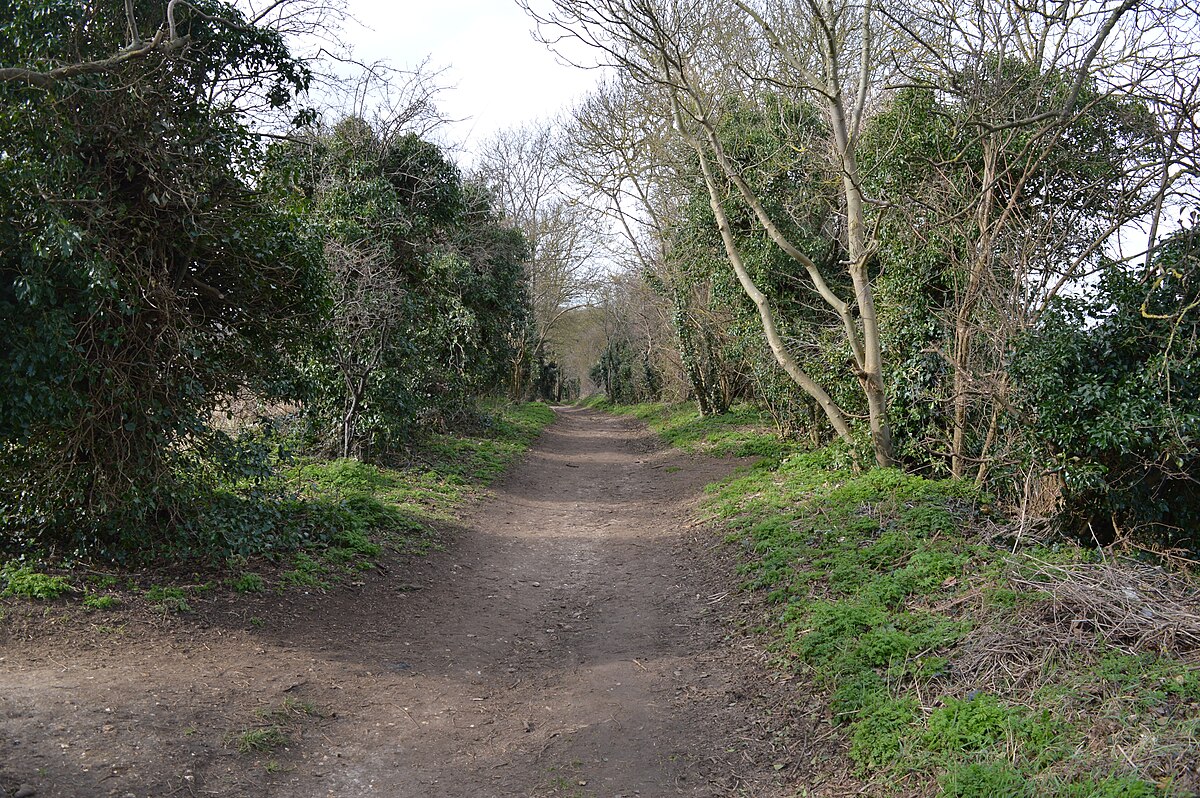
pixel 870 374
pixel 834 413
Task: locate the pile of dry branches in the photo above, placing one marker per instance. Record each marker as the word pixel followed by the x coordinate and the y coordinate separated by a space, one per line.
pixel 1133 606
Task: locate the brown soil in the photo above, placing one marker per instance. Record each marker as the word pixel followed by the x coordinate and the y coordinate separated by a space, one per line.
pixel 577 637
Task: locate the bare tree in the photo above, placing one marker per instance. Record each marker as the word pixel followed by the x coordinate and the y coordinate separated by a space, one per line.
pixel 524 170
pixel 699 53
pixel 1027 241
pixel 368 310
pixel 636 171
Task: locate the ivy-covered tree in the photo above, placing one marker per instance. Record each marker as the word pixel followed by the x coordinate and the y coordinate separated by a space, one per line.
pixel 423 283
pixel 142 277
pixel 1111 385
pixel 982 231
pixel 772 143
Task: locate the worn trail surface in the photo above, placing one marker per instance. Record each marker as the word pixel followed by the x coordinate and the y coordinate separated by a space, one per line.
pixel 570 641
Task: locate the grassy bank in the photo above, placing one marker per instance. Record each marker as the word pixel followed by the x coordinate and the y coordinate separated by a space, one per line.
pixel 744 431
pixel 955 653
pixel 321 523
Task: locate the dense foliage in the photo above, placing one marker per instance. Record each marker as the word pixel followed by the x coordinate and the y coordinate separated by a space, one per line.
pixel 426 300
pixel 141 278
pixel 775 143
pixel 1112 383
pixel 935 278
pixel 158 262
pixel 1017 353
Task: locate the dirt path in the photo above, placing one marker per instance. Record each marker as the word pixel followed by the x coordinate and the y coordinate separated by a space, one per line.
pixel 569 642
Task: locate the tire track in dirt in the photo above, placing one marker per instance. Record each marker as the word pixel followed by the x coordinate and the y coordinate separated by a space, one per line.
pixel 563 645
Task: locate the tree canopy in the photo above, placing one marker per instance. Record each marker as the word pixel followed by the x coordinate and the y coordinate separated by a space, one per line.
pixel 158 259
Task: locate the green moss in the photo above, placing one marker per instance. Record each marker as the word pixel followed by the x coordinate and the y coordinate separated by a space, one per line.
pixel 1046 738
pixel 829 629
pixel 882 647
pixel 1001 597
pixel 353 550
pixel 346 476
pixel 855 693
pixel 927 668
pixel 875 582
pixel 347 511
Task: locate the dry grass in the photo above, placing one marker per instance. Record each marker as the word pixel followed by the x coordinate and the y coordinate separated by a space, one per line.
pixel 1050 652
pixel 1008 659
pixel 1130 605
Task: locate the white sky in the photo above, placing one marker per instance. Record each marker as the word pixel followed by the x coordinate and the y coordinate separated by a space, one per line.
pixel 500 76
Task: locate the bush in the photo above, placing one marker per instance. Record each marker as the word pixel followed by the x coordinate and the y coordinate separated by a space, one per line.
pixel 1112 383
pixel 139 282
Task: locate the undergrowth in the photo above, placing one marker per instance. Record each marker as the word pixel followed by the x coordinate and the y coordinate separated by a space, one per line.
pixel 323 523
pixel 945 675
pixel 22 580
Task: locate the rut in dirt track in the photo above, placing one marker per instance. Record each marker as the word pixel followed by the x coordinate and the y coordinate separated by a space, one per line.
pixel 564 645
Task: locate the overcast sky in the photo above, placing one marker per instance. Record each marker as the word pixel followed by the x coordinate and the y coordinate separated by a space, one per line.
pixel 500 76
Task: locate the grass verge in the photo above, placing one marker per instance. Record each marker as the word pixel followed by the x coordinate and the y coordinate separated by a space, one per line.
pixel 952 665
pixel 744 431
pixel 335 520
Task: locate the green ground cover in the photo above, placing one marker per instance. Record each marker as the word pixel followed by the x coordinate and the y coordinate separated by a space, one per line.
pixel 951 664
pixel 322 523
